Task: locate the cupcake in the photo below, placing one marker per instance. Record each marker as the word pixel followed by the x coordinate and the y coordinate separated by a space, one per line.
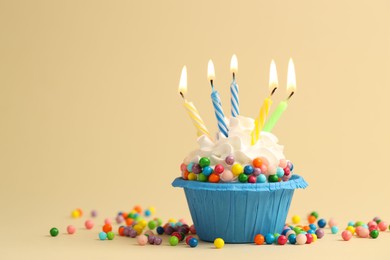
pixel 236 189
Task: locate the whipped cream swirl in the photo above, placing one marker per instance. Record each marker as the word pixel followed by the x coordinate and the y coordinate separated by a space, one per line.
pixel 238 145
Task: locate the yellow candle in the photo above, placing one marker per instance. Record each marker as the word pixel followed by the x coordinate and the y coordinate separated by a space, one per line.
pixel 189 106
pixel 260 121
pixel 265 108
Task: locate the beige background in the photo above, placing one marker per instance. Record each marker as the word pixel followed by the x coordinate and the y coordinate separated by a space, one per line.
pixel 90 116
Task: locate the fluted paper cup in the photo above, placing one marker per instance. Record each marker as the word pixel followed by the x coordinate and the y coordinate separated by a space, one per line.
pixel 236 212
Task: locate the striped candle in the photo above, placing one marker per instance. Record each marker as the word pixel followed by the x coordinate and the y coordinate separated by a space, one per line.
pixel 222 126
pixel 219 112
pixel 234 88
pixel 291 88
pixel 265 108
pixel 189 106
pixel 196 119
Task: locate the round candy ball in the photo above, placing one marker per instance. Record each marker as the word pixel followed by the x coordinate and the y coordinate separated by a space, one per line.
pixel 346 235
pixel 296 219
pixel 54 232
pixel 374 233
pixel 311 219
pixel 269 238
pixel 188 239
pixel 334 229
pixel 196 168
pixel 160 230
pixel 207 170
pixel 190 167
pixel 321 223
pixel 248 169
pixel 256 171
pixel 142 240
pixel 227 176
pixel 332 222
pixel 229 160
pixel 301 239
pixel 282 240
pixel 89 224
pixel 214 178
pixel 151 240
pixel 132 233
pixel 75 213
pixel 276 235
pixel 252 179
pixel 382 226
pixel 119 219
pixel 152 224
pixel 359 223
pixel 243 178
pixel 94 213
pixel 192 177
pixel 102 235
pixel 364 233
pixel 283 163
pixel 219 243
pixel 257 162
pixel 259 239
pixel 309 238
pixel 320 233
pixel 71 229
pixel 204 161
pixel 351 229
pixel 264 168
pixel 279 172
pixel 202 177
pixel 193 242
pixel 313 227
pixel 219 168
pixel 107 228
pixel 237 169
pixel 173 240
pixel 157 241
pixel 193 230
pixel 315 214
pixel 292 239
pixel 107 221
pixel 121 231
pixel 110 235
pixel 261 178
pixel 273 178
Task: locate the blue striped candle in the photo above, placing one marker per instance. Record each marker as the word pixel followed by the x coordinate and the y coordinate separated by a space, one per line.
pixel 234 87
pixel 219 112
pixel 217 101
pixel 234 98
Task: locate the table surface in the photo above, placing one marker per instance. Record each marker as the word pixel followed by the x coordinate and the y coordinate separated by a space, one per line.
pixel 26 235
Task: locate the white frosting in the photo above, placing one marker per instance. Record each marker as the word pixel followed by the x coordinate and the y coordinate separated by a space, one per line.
pixel 238 144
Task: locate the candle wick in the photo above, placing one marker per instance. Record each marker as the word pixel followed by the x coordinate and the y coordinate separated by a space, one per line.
pixel 234 76
pixel 182 95
pixel 273 91
pixel 212 84
pixel 292 93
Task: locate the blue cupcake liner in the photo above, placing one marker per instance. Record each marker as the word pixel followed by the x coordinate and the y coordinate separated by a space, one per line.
pixel 236 212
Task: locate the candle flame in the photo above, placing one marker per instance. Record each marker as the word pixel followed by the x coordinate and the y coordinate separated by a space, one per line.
pixel 234 64
pixel 183 81
pixel 291 81
pixel 210 71
pixel 273 77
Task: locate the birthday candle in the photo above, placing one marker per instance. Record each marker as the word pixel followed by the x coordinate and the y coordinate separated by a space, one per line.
pixel 217 101
pixel 189 106
pixel 264 110
pixel 234 87
pixel 291 87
